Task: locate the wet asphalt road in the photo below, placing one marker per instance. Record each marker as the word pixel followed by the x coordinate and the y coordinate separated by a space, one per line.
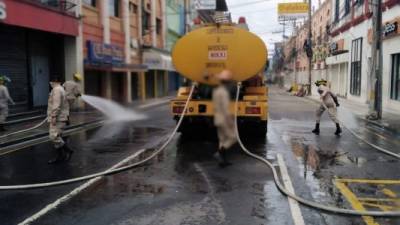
pixel 184 185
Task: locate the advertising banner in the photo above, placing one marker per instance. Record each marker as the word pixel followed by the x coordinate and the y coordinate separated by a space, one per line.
pixel 292 11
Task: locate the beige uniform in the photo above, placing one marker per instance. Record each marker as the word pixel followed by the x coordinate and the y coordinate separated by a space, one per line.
pixel 73 90
pixel 223 120
pixel 327 100
pixel 58 110
pixel 4 99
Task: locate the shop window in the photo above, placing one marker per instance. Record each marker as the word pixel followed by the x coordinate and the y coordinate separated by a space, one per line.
pixel 355 72
pixel 90 2
pixel 133 8
pixel 159 26
pixel 113 8
pixel 395 89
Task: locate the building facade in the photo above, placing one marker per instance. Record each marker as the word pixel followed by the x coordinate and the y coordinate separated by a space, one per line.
pixel 351 52
pixel 38 41
pixel 123 45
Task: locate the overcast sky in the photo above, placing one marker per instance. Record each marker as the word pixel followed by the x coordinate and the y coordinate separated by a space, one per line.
pixel 262 18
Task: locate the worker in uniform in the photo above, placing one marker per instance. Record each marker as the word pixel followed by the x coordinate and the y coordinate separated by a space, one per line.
pixel 73 90
pixel 223 119
pixel 329 102
pixel 4 99
pixel 58 115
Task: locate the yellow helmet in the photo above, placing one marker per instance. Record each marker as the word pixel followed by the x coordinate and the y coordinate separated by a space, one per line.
pixel 78 77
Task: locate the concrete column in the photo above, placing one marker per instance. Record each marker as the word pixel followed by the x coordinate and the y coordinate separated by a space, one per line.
pixel 127 31
pixel 164 23
pixel 142 86
pixel 155 83
pixel 166 82
pixel 105 20
pixel 108 86
pixel 153 29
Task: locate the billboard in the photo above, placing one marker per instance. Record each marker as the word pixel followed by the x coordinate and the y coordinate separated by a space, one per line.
pixel 292 11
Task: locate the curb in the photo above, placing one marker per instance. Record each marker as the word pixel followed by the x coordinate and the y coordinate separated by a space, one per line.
pixel 67 130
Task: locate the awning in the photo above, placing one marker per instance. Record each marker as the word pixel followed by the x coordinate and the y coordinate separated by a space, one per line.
pixel 337 59
pixel 157 61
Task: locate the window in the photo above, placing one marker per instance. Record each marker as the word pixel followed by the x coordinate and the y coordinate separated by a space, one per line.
pixel 90 2
pixel 113 8
pixel 133 8
pixel 158 26
pixel 395 89
pixel 355 72
pixel 146 24
pixel 337 8
pixel 346 7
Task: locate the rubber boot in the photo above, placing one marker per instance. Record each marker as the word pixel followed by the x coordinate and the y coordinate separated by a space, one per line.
pixel 338 129
pixel 67 152
pixel 60 156
pixel 224 163
pixel 316 130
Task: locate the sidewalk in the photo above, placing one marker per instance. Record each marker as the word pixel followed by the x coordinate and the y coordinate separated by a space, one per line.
pixel 77 119
pixel 390 121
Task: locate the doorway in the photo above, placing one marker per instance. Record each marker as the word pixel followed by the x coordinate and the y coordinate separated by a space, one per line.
pixel 40 80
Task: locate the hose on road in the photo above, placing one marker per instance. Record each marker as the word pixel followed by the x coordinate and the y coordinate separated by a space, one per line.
pixel 364 140
pixel 107 172
pixel 25 130
pixel 281 187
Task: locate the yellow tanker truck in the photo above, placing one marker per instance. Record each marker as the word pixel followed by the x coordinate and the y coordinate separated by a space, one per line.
pixel 207 51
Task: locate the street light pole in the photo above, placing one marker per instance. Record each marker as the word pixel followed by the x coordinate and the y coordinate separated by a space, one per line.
pixel 310 46
pixel 375 68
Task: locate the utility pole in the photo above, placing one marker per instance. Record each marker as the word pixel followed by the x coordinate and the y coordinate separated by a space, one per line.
pixel 310 46
pixel 375 68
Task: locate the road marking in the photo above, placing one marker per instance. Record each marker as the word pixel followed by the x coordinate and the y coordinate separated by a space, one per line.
pixel 367 181
pixel 294 205
pixel 355 203
pixel 75 192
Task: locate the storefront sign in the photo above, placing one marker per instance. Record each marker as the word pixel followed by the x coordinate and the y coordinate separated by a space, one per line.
pixel 390 28
pixel 105 53
pixel 157 61
pixel 293 10
pixel 205 4
pixel 3 12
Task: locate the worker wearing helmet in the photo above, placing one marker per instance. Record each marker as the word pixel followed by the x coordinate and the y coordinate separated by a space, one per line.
pixel 327 102
pixel 223 119
pixel 73 90
pixel 4 99
pixel 58 115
